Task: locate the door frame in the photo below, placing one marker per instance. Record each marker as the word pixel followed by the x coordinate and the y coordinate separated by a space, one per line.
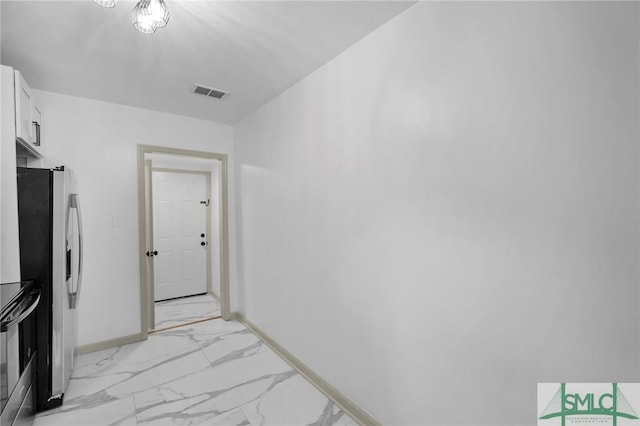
pixel 146 292
pixel 149 218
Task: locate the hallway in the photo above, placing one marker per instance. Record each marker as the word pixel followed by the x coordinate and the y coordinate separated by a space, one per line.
pixel 173 312
pixel 209 373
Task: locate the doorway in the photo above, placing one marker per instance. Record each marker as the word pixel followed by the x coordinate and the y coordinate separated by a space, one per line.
pixel 181 203
pixel 183 235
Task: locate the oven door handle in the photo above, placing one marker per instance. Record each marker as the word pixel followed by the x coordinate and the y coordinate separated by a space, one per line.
pixel 33 301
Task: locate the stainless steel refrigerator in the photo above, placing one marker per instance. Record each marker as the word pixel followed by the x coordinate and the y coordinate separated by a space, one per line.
pixel 50 228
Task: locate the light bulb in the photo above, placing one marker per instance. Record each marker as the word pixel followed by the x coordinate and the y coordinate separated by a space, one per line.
pixel 148 15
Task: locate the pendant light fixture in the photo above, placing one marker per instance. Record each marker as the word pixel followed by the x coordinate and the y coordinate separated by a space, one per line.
pixel 147 15
pixel 106 3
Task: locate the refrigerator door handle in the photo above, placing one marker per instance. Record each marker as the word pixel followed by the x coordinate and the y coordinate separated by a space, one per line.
pixel 73 295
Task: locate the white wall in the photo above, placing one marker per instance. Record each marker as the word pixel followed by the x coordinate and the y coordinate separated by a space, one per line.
pixel 447 213
pixel 9 238
pixel 98 141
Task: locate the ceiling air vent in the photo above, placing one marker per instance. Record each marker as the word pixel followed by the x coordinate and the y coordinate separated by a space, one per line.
pixel 208 91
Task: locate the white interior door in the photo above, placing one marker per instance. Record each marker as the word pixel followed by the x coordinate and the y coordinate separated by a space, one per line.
pixel 179 229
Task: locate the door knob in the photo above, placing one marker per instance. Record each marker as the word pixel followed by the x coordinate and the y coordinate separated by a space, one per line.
pixel 155 252
pixel 203 243
pixel 202 235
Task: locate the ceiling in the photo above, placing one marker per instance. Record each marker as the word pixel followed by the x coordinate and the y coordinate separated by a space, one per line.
pixel 253 49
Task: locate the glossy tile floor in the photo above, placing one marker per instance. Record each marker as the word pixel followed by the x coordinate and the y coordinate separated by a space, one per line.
pixel 186 309
pixel 210 373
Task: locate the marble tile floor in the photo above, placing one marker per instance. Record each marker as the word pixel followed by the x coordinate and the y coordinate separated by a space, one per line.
pixel 210 373
pixel 185 309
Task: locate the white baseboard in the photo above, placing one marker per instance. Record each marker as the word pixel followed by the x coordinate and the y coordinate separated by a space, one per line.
pixel 347 405
pixel 108 344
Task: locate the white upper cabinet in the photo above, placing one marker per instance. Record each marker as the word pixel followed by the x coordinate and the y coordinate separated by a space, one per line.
pixel 28 117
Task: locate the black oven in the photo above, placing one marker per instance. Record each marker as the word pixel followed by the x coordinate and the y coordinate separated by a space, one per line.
pixel 17 352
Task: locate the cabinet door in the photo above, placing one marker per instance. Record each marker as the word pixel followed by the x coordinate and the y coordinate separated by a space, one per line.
pixel 25 130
